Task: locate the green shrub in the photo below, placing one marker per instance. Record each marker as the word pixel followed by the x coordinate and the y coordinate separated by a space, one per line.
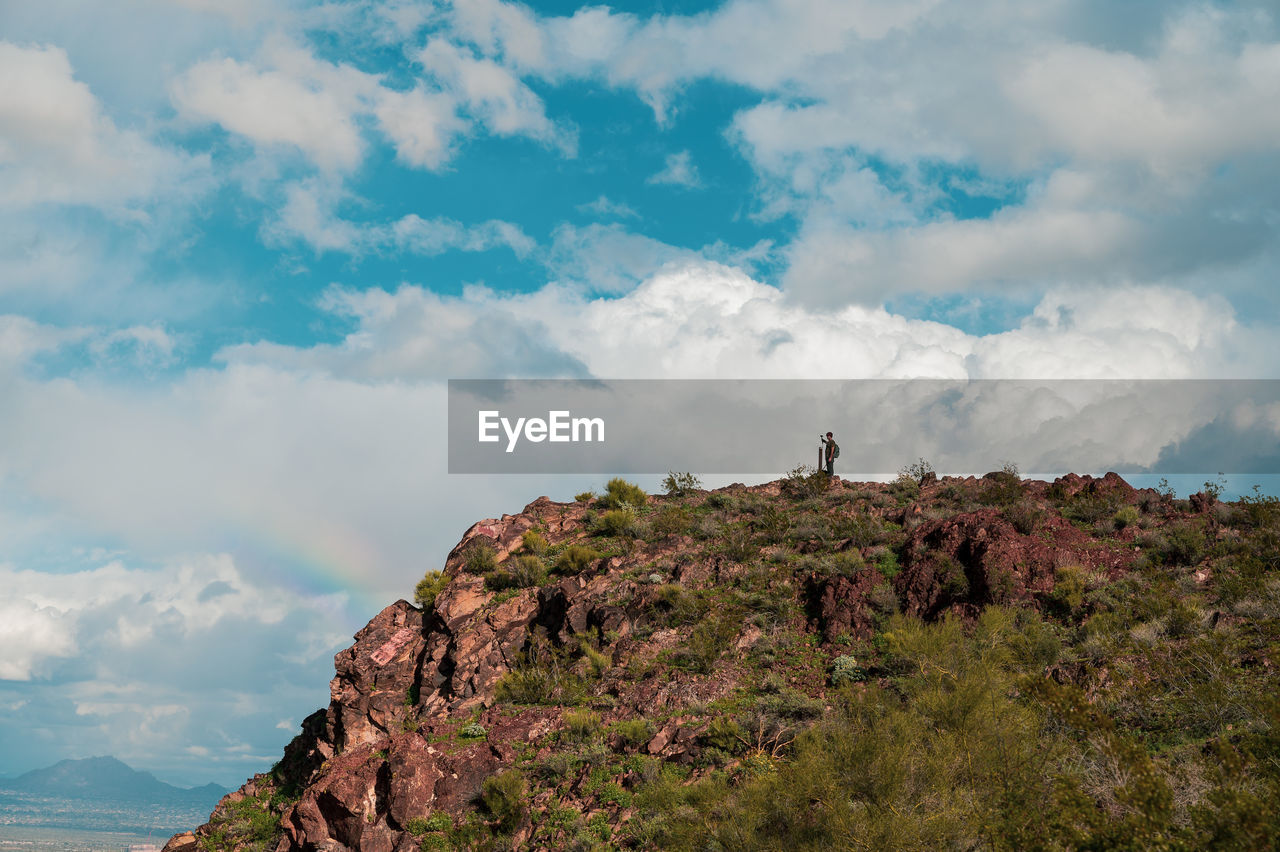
pixel 680 484
pixel 597 662
pixel 1024 515
pixel 803 482
pixel 671 520
pixel 431 584
pixel 726 734
pixel 527 571
pixel 437 822
pixel 534 542
pixel 575 559
pixel 481 558
pixel 542 677
pixel 618 493
pixel 473 731
pixel 904 489
pixel 633 732
pixel 502 796
pixel 617 522
pixel 917 471
pixel 581 724
pixel 1183 544
pixel 584 496
pixel 1125 516
pixel 845 669
pixel 709 640
pixel 887 565
pixel 1068 589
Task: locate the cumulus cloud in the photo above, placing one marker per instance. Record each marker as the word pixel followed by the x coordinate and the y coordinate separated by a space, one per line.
pixel 678 170
pixel 705 320
pixel 58 146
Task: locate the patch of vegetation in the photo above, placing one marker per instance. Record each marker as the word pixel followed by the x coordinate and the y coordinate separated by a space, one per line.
pixel 534 542
pixel 481 558
pixel 502 797
pixel 632 733
pixel 803 482
pixel 619 493
pixel 917 470
pixel 431 584
pixel 251 824
pixel 617 522
pixel 575 559
pixel 680 484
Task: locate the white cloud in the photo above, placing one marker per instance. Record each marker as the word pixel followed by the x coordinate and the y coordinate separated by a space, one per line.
pixel 493 94
pixel 308 216
pixel 606 207
pixel 57 145
pixel 704 320
pixel 422 124
pixel 300 102
pixel 678 170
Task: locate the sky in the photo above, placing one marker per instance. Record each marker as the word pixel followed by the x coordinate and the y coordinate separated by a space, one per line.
pixel 244 243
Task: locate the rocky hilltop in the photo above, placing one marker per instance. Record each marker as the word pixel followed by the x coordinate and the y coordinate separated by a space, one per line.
pixel 980 662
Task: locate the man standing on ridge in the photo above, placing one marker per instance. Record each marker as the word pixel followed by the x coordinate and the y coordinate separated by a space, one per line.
pixel 833 453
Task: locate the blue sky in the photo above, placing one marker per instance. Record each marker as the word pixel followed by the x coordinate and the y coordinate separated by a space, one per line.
pixel 243 243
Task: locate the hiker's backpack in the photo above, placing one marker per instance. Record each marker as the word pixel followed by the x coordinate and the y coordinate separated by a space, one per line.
pixel 836 454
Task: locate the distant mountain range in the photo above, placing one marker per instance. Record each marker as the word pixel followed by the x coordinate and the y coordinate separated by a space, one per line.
pixel 107 779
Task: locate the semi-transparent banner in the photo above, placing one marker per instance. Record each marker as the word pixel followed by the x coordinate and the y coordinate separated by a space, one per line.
pixel 637 426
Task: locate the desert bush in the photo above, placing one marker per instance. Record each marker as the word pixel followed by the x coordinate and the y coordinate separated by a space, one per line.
pixel 1126 516
pixel 709 640
pixel 581 725
pixel 481 558
pixel 726 734
pixel 431 584
pixel 887 565
pixel 1183 544
pixel 597 663
pixel 1002 487
pixel 860 528
pixel 1024 515
pixel 671 520
pixel 845 669
pixel 528 571
pixel 737 544
pixel 575 559
pixel 617 522
pixel 437 822
pixel 632 732
pixel 677 605
pixel 540 679
pixel 956 739
pixel 803 482
pixel 1068 590
pixel 473 731
pixel 917 470
pixel 502 797
pixel 584 496
pixel 680 484
pixel 619 493
pixel 904 489
pixel 534 542
pixel 1088 509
